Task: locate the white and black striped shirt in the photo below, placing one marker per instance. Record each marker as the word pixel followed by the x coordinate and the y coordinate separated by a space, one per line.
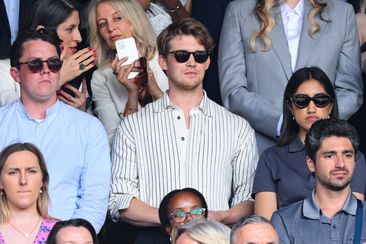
pixel 152 155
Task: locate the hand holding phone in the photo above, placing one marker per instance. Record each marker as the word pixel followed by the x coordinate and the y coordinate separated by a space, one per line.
pixel 127 48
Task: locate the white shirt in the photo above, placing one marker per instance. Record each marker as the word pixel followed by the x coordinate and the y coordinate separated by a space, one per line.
pixel 12 10
pixel 292 23
pixel 218 156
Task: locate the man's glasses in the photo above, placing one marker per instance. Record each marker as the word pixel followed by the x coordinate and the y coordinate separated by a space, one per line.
pixel 36 65
pixel 182 56
pixel 180 216
pixel 320 100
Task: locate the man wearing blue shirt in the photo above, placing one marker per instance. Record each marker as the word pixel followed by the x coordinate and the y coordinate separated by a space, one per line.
pixel 74 144
pixel 329 215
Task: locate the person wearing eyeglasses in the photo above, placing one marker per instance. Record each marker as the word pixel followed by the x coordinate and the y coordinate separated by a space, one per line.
pixel 181 206
pixel 183 139
pixel 115 93
pixel 74 143
pixel 282 176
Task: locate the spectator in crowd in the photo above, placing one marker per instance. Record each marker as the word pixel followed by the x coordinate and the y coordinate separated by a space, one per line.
pixel 63 16
pixel 332 214
pixel 203 232
pixel 264 41
pixel 115 95
pixel 253 229
pixel 173 142
pixel 162 12
pixel 73 143
pixel 179 207
pixel 76 231
pixel 23 195
pixel 11 14
pixel 282 176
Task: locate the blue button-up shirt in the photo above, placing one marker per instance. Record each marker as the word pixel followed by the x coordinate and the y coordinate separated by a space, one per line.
pixel 304 222
pixel 75 147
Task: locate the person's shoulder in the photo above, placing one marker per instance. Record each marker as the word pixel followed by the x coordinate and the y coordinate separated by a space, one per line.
pixel 243 7
pixel 291 211
pixel 79 117
pixel 221 111
pixel 336 7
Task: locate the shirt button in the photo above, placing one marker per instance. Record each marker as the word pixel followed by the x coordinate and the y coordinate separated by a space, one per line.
pixel 334 227
pixel 178 117
pixel 182 138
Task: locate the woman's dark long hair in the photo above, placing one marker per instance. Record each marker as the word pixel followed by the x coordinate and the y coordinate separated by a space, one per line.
pixel 48 13
pixel 290 128
pixel 80 223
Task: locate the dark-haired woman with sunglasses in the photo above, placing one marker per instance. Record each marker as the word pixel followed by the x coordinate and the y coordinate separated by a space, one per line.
pixel 282 176
pixel 62 16
pixel 114 93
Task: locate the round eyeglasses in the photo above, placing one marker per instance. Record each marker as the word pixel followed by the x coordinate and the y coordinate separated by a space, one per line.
pixel 180 216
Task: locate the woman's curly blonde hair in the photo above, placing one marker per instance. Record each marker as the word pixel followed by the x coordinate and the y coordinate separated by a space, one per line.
pixel 267 22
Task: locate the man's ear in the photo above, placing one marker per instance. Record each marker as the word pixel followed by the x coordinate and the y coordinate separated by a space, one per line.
pixel 162 62
pixel 14 72
pixel 311 164
pixel 207 63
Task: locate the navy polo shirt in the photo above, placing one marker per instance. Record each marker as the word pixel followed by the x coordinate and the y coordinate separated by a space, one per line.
pixel 283 169
pixel 304 222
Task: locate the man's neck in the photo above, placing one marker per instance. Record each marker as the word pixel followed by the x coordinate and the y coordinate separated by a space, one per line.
pixel 186 100
pixel 330 202
pixel 37 110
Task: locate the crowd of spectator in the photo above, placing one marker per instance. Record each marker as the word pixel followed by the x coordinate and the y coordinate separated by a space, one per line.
pixel 230 126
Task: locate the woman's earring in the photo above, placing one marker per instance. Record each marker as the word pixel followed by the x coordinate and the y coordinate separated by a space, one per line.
pixel 40 191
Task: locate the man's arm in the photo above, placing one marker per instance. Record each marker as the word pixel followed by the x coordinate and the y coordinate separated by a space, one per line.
pixel 95 176
pixel 348 81
pixel 244 164
pixel 234 214
pixel 140 214
pixel 124 202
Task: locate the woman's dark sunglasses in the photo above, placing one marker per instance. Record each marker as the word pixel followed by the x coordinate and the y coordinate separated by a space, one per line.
pixel 182 56
pixel 320 100
pixel 36 65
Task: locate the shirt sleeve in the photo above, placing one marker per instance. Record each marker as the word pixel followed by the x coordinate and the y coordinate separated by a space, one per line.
pixel 105 109
pixel 263 180
pixel 125 181
pixel 95 177
pixel 244 165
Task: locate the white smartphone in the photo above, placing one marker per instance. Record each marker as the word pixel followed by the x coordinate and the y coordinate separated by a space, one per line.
pixel 127 48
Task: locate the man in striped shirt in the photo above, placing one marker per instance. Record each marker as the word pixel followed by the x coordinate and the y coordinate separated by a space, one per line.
pixel 183 140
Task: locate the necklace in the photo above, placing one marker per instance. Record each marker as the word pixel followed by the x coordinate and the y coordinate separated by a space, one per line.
pixel 26 235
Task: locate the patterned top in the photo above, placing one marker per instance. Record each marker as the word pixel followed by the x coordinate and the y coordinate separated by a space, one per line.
pixel 43 232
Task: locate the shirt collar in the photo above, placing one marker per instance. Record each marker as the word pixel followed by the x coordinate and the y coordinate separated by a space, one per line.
pixel 299 8
pixel 164 104
pixel 50 111
pixel 312 211
pixel 296 145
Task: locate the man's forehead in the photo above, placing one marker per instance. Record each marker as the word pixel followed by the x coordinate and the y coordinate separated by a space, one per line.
pixel 38 48
pixel 335 143
pixel 186 40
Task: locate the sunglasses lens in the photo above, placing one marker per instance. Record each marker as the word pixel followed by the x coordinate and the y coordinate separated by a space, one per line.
pixel 35 65
pixel 181 56
pixel 301 101
pixel 54 64
pixel 200 56
pixel 321 100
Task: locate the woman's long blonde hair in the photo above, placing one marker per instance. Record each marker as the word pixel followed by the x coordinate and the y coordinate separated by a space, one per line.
pixel 141 30
pixel 267 22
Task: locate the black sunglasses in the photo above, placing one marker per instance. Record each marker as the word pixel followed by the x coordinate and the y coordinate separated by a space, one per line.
pixel 36 65
pixel 182 56
pixel 320 100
